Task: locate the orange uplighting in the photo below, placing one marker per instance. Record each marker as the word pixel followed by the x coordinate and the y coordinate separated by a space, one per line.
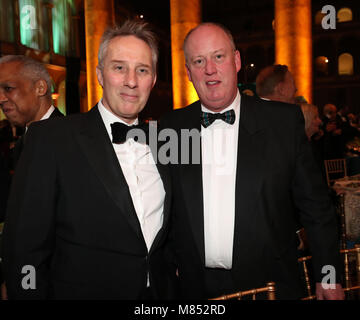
pixel 54 96
pixel 98 15
pixel 293 42
pixel 185 15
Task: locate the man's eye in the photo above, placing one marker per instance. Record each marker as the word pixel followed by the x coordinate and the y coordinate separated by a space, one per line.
pixel 198 62
pixel 8 89
pixel 143 71
pixel 219 56
pixel 119 67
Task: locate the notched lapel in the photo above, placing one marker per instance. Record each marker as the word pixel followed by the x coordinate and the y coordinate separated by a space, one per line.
pixel 95 144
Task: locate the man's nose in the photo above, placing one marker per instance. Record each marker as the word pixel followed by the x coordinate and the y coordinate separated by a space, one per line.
pixel 3 97
pixel 210 67
pixel 131 79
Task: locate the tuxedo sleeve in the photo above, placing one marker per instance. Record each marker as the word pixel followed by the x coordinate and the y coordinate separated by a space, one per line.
pixel 316 211
pixel 29 230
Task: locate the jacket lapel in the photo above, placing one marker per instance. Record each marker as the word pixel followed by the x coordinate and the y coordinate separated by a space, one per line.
pixel 165 177
pixel 192 185
pixel 250 168
pixel 96 145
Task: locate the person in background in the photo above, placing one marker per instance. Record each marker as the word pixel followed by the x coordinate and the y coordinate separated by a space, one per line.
pixel 25 94
pixel 334 137
pixel 314 132
pixel 276 83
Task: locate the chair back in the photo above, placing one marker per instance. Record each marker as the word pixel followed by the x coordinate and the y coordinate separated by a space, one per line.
pixel 270 289
pixel 335 169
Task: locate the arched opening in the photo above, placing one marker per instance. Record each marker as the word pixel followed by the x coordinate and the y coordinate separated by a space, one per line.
pixel 344 14
pixel 346 64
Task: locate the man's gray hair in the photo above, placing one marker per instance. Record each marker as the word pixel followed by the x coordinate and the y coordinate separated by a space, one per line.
pixel 138 29
pixel 30 68
pixel 215 24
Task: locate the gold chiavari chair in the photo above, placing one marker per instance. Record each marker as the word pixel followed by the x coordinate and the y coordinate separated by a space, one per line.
pixel 270 289
pixel 351 283
pixel 335 166
pixel 305 268
pixel 351 273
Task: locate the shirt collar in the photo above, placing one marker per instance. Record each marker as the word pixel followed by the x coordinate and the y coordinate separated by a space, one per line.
pixel 46 115
pixel 108 118
pixel 266 99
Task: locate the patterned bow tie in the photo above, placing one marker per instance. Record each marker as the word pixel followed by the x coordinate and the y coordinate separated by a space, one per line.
pixel 208 118
pixel 120 132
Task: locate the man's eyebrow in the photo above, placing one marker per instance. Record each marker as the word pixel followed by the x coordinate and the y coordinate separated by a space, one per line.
pixel 216 51
pixel 202 55
pixel 144 65
pixel 117 61
pixel 138 65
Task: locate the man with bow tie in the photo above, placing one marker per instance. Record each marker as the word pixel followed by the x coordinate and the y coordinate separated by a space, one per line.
pixel 88 214
pixel 233 216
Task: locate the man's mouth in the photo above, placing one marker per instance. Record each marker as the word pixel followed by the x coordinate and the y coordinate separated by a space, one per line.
pixel 128 97
pixel 212 83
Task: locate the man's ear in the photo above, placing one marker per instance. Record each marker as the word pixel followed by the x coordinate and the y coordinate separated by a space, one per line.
pixel 41 87
pixel 188 72
pixel 237 60
pixel 99 75
pixel 154 81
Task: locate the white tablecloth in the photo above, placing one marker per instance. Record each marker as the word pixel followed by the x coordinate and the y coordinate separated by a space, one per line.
pixel 350 186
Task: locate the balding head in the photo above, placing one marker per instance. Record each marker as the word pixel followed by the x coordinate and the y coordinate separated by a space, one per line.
pixel 329 111
pixel 276 83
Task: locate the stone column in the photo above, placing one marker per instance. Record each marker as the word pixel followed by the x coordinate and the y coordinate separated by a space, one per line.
pixel 185 15
pixel 293 42
pixel 98 16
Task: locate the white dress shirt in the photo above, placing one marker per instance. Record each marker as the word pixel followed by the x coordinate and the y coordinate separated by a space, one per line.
pixel 143 179
pixel 219 143
pixel 48 113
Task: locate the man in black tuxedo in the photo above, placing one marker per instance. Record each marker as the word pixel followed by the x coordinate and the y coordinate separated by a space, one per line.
pixel 88 210
pixel 233 216
pixel 25 94
pixel 25 97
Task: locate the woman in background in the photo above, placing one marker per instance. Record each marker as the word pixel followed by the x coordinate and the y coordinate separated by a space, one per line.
pixel 314 133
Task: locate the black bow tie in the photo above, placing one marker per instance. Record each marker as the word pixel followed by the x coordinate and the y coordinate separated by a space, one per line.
pixel 208 118
pixel 120 132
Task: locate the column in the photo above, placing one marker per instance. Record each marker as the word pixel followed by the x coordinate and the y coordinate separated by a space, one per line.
pixel 98 16
pixel 185 15
pixel 293 42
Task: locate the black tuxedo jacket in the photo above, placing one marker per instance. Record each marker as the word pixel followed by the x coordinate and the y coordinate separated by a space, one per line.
pixel 71 216
pixel 4 185
pixel 16 152
pixel 275 172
